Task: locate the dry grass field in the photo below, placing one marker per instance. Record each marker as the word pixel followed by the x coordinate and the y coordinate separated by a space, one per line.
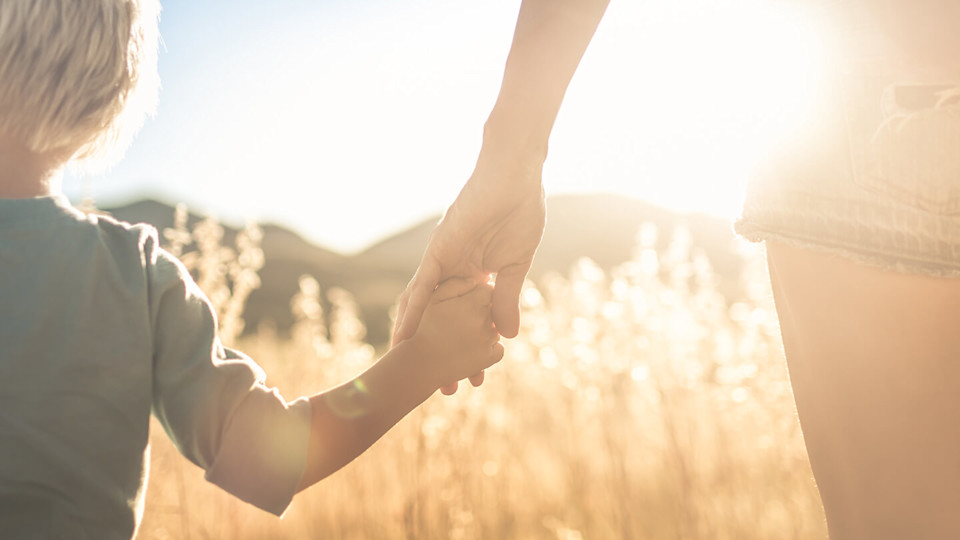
pixel 637 403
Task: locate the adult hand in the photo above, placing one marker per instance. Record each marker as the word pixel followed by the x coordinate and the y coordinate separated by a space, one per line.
pixel 497 221
pixel 493 227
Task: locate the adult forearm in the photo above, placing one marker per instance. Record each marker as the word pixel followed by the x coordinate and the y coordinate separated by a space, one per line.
pixel 549 41
pixel 348 419
pixel 497 220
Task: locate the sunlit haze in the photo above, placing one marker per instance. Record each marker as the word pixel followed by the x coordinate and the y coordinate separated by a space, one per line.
pixel 347 121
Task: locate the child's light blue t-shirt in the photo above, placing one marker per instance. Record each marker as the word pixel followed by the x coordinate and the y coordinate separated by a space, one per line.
pixel 99 326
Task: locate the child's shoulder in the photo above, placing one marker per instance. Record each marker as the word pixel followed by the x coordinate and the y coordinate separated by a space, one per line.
pixel 135 253
pixel 116 236
pixel 53 224
pixel 130 248
pixel 143 235
pixel 139 245
pixel 53 231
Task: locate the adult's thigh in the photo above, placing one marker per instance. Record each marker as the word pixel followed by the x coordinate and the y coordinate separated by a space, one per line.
pixel 874 360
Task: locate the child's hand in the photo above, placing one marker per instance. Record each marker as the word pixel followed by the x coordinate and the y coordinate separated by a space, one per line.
pixel 457 335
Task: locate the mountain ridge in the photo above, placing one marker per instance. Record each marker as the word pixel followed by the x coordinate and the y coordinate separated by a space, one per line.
pixel 602 227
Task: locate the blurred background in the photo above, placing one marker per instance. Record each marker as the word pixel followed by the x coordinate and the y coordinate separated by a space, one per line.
pixel 347 121
pixel 301 153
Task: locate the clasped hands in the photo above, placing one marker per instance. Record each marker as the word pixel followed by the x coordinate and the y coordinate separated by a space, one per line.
pixel 490 232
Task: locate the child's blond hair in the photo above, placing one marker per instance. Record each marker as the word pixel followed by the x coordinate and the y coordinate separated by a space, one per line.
pixel 76 76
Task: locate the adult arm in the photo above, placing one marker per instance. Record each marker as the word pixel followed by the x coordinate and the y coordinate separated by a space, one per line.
pixel 496 222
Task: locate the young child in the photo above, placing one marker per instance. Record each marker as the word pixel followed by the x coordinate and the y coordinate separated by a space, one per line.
pixel 100 327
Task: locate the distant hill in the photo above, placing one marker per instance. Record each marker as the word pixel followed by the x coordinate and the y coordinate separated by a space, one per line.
pixel 601 227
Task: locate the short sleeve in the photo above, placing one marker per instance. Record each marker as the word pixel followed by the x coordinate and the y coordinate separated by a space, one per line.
pixel 212 401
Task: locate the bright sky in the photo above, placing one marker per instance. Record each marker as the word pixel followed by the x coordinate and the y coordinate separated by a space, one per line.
pixel 348 120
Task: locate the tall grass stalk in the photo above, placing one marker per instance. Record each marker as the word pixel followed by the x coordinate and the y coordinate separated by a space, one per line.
pixel 636 403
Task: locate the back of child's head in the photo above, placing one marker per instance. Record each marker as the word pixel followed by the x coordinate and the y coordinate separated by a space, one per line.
pixel 76 76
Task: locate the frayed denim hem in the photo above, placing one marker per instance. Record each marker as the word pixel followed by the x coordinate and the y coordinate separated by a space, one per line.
pixel 754 232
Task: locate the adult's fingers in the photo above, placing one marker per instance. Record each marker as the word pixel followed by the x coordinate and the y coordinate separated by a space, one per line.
pixel 401 311
pixel 418 294
pixel 506 299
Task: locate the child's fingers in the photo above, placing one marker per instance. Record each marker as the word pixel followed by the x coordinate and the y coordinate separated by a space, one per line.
pixel 497 352
pixel 454 287
pixel 494 355
pixel 477 379
pixel 450 389
pixel 482 295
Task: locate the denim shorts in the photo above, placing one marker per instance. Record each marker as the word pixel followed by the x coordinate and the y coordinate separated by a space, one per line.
pixel 875 176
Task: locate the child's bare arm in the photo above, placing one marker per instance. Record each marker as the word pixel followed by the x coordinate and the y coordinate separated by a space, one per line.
pixel 455 339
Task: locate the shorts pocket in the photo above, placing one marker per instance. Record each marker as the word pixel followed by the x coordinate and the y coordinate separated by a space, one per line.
pixel 910 155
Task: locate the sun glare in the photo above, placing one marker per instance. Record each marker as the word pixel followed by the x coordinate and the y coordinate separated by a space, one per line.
pixel 676 101
pixel 376 115
pixel 673 103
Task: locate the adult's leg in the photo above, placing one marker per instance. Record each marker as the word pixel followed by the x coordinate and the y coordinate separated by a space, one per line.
pixel 874 359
